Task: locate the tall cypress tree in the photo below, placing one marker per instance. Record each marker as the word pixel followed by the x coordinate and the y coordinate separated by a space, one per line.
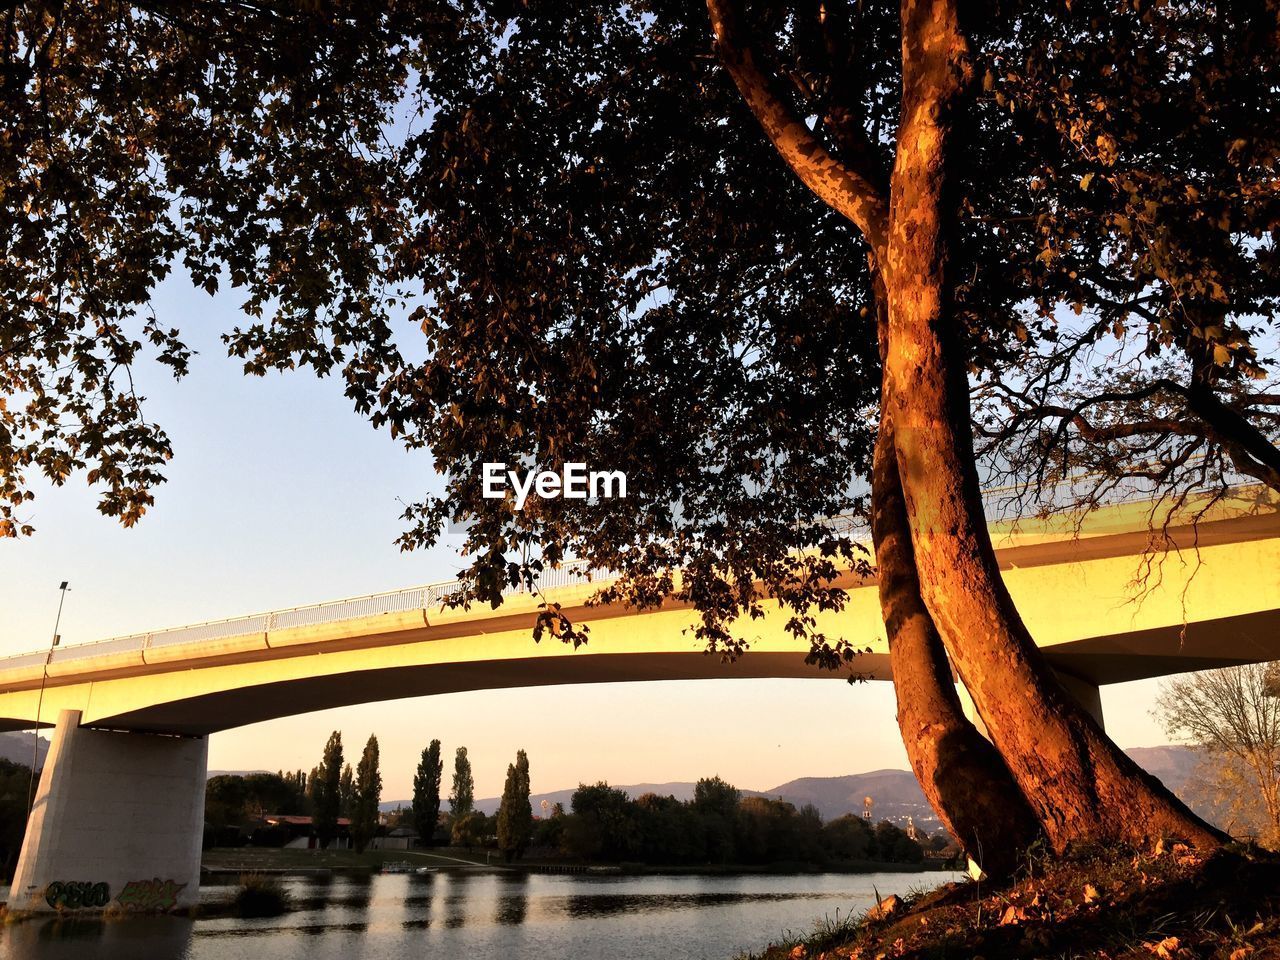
pixel 524 809
pixel 426 791
pixel 368 794
pixel 515 815
pixel 346 792
pixel 462 799
pixel 327 793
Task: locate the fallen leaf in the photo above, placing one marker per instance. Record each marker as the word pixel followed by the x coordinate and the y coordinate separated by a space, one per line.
pixel 1013 915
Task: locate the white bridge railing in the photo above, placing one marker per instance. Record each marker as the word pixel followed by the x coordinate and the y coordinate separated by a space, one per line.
pixel 407 600
pixel 425 598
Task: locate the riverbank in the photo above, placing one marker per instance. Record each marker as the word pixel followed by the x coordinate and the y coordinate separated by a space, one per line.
pixel 1171 905
pixel 232 861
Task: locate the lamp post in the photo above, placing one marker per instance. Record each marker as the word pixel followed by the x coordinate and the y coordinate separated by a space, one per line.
pixel 35 739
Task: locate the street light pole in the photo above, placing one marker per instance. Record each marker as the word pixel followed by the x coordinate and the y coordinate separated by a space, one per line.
pixel 35 739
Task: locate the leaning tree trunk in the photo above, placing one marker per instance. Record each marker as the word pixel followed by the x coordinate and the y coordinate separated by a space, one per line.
pixel 1080 785
pixel 959 770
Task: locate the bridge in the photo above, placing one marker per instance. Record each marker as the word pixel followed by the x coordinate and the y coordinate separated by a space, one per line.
pixel 121 797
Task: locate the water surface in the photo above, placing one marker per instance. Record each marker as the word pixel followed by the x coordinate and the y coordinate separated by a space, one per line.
pixel 482 916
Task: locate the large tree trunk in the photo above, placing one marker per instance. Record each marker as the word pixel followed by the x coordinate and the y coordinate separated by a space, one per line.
pixel 1081 786
pixel 959 770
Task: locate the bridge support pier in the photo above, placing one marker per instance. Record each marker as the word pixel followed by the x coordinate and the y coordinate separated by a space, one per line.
pixel 118 819
pixel 1084 693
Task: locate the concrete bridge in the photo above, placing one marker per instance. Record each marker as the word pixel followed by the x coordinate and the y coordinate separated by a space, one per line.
pixel 121 797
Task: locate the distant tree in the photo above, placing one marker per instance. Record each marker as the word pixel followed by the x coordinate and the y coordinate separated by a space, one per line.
pixel 766 830
pixel 892 844
pixel 14 778
pixel 808 844
pixel 515 814
pixel 347 792
pixel 670 831
pixel 462 797
pixel 401 817
pixel 717 804
pixel 225 801
pixel 272 793
pixel 847 838
pixel 280 792
pixel 713 795
pixel 326 796
pixel 1231 717
pixel 426 791
pixel 603 823
pixel 468 830
pixel 366 797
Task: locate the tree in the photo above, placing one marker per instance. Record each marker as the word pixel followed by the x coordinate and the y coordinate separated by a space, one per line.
pixel 462 797
pixel 326 798
pixel 1151 209
pixel 468 829
pixel 347 792
pixel 226 801
pixel 752 506
pixel 848 838
pixel 240 143
pixel 602 824
pixel 14 781
pixel 611 261
pixel 515 814
pixel 1230 716
pixel 366 797
pixel 713 795
pixel 426 792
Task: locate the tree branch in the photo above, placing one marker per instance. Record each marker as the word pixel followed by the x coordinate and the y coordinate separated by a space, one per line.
pixel 849 191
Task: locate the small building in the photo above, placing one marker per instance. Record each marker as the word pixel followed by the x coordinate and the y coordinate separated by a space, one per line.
pixel 298 832
pixel 399 838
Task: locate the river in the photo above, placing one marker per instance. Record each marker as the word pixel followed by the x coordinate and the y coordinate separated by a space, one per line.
pixel 482 916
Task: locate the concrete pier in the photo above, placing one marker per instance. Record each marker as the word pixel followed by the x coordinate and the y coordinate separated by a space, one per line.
pixel 118 821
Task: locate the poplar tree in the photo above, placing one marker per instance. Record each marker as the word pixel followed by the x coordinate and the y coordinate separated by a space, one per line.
pixel 367 796
pixel 327 795
pixel 462 797
pixel 426 791
pixel 347 792
pixel 515 813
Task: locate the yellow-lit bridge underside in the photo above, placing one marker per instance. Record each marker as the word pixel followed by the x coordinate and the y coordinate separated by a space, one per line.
pixel 1211 605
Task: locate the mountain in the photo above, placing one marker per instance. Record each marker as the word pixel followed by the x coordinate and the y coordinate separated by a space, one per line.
pixel 16 747
pixel 895 794
pixel 1174 765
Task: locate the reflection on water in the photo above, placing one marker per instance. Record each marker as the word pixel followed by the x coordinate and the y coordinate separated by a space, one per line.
pixel 162 937
pixel 479 916
pixel 513 902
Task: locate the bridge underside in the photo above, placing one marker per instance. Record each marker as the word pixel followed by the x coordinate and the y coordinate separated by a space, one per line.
pixel 1101 608
pixel 355 677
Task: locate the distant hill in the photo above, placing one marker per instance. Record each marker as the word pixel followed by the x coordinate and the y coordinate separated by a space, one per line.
pixel 895 793
pixel 1174 765
pixel 16 747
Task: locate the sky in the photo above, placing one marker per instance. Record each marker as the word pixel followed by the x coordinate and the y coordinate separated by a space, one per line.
pixel 280 495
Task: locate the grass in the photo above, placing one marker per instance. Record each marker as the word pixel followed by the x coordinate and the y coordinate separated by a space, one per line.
pixel 1096 906
pixel 260 895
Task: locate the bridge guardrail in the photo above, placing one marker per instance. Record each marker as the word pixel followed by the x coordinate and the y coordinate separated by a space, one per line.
pixel 425 597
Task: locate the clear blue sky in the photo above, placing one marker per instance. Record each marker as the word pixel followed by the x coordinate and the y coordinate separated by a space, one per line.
pixel 279 494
